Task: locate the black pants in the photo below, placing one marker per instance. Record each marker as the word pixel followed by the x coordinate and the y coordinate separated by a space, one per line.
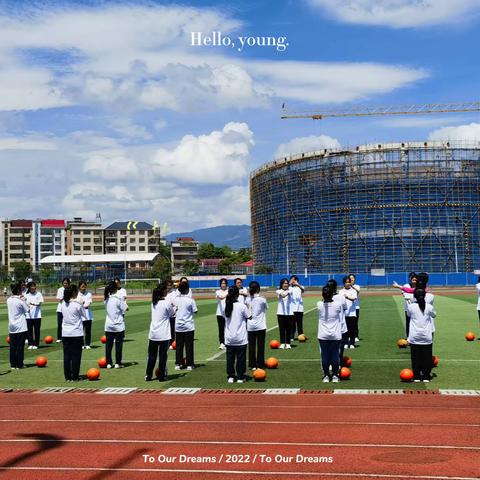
pixel 172 329
pixel 407 325
pixel 236 361
pixel 17 345
pixel 343 342
pixel 87 332
pixel 421 360
pixel 297 323
pixel 118 338
pixel 157 349
pixel 33 325
pixel 221 329
pixel 285 323
pixel 256 349
pixel 329 352
pixel 357 327
pixel 184 339
pixel 350 337
pixel 59 325
pixel 72 357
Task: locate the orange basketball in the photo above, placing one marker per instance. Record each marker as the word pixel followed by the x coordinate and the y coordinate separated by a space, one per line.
pixel 434 361
pixel 41 361
pixel 103 339
pixel 347 361
pixel 271 362
pixel 102 362
pixel 274 344
pixel 302 338
pixel 259 375
pixel 7 339
pixel 93 373
pixel 48 339
pixel 345 373
pixel 406 375
pixel 174 345
pixel 402 343
pixel 470 336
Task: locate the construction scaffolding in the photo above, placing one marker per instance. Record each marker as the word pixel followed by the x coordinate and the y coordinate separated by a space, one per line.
pixel 397 207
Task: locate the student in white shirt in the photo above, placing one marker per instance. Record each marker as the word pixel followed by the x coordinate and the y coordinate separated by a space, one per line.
pixel 184 326
pixel 34 301
pixel 242 291
pixel 86 300
pixel 350 313
pixel 115 307
pixel 329 333
pixel 256 326
pixel 221 295
pixel 332 284
pixel 121 292
pixel 408 297
pixel 65 284
pixel 17 325
pixel 420 337
pixel 285 313
pixel 297 306
pixel 236 336
pixel 72 333
pixel 171 294
pixel 356 287
pixel 159 334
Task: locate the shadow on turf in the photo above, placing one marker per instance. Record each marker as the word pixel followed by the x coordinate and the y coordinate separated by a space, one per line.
pixel 136 454
pixel 44 442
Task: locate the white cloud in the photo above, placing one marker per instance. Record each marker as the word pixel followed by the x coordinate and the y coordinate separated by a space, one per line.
pixel 399 13
pixel 463 133
pixel 113 164
pixel 128 129
pixel 306 144
pixel 417 121
pixel 160 125
pixel 217 158
pixel 26 142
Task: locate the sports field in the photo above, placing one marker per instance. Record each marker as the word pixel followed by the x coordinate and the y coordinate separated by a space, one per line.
pixel 376 363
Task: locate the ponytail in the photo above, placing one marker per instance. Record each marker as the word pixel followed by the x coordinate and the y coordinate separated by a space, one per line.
pixel 232 297
pixel 110 289
pixel 70 292
pixel 254 287
pixel 419 295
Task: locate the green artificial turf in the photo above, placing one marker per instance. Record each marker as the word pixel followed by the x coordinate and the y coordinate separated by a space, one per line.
pixel 376 363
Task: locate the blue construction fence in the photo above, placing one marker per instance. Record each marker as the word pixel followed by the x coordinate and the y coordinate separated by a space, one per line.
pixel 362 279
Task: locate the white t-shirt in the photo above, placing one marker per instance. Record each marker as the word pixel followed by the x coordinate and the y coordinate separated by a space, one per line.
pixel 170 299
pixel 34 302
pixel 73 314
pixel 236 326
pixel 122 293
pixel 343 302
pixel 257 307
pixel 221 295
pixel 284 302
pixel 243 293
pixel 297 298
pixel 421 324
pixel 186 307
pixel 86 300
pixel 17 314
pixel 59 297
pixel 160 324
pixel 477 286
pixel 351 310
pixel 329 320
pixel 408 297
pixel 115 307
pixel 357 301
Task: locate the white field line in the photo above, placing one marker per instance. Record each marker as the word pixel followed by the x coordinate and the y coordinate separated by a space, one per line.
pixel 233 442
pixel 239 472
pixel 246 422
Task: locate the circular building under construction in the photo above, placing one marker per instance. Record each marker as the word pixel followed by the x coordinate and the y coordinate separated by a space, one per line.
pixel 393 207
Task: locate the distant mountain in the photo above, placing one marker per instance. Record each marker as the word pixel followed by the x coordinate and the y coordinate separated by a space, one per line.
pixel 235 236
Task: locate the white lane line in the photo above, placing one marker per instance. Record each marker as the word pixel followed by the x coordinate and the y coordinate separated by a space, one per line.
pixel 240 472
pixel 247 422
pixel 233 442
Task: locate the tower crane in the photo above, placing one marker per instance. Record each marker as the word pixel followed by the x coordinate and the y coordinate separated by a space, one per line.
pixel 370 111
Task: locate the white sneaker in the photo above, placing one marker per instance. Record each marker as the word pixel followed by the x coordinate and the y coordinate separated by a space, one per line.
pixel 326 379
pixel 88 347
pixel 288 346
pixel 426 380
pixel 231 380
pixel 357 339
pixel 178 367
pixel 282 346
pixel 34 347
pixel 240 380
pixel 30 347
pixel 222 346
pixel 417 380
pixel 118 365
pixel 335 379
pixel 58 341
pixel 170 347
pixel 109 366
pixel 83 347
pixel 351 346
pixel 253 369
pixel 26 342
pixel 189 368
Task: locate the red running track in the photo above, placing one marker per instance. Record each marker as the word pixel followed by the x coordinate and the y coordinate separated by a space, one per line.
pixel 245 436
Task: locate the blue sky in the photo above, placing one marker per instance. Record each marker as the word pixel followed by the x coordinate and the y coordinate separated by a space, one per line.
pixel 106 107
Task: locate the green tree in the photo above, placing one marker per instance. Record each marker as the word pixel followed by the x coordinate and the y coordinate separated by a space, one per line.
pixel 189 267
pixel 161 268
pixel 46 271
pixel 3 273
pixel 225 267
pixel 22 270
pixel 263 269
